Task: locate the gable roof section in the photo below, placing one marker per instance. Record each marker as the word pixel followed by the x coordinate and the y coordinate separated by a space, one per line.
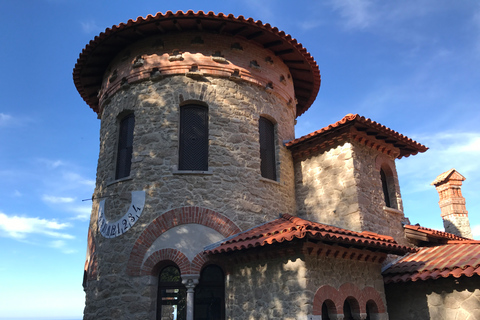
pixel 360 129
pixel 450 174
pixel 288 228
pixel 432 235
pixel 456 259
pixel 99 52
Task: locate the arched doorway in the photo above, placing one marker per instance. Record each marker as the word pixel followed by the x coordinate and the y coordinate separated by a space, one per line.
pixel 210 294
pixel 172 295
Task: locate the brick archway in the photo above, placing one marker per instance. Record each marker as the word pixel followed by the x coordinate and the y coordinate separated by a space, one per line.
pixel 171 219
pixel 347 290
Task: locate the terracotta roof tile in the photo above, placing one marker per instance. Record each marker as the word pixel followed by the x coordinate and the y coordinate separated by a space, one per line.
pixel 98 53
pixel 432 233
pixel 406 145
pixel 453 259
pixel 287 228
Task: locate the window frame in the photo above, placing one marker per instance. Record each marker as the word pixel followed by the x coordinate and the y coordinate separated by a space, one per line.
pixel 188 133
pixel 267 142
pixel 125 137
pixel 170 285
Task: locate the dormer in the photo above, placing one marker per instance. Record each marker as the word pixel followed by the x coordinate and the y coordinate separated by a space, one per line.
pixel 345 175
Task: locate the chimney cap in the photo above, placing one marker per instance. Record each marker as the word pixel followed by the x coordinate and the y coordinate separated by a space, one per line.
pixel 451 174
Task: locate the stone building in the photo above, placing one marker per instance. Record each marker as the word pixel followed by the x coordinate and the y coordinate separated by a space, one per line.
pixel 207 207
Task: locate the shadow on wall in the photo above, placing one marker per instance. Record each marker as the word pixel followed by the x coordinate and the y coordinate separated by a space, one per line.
pixel 443 298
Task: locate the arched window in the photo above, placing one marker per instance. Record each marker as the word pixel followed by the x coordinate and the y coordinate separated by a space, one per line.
pixel 210 294
pixel 125 146
pixel 347 311
pixel 385 187
pixel 172 295
pixel 328 308
pixel 372 310
pixel 193 146
pixel 267 149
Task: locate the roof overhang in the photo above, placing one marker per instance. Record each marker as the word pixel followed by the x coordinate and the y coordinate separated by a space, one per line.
pixel 97 55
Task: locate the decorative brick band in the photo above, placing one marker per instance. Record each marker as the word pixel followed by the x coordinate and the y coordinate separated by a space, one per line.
pixel 171 219
pixel 358 299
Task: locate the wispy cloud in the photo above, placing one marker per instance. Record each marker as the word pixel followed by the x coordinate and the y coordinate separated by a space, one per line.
pixel 62 246
pixel 447 150
pixel 5 119
pixel 54 199
pixel 90 26
pixel 20 228
pixel 356 14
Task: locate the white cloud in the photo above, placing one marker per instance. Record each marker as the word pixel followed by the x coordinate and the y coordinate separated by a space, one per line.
pixel 90 26
pixel 62 246
pixel 53 199
pixel 20 228
pixel 447 150
pixel 5 119
pixel 83 213
pixel 355 13
pixel 476 231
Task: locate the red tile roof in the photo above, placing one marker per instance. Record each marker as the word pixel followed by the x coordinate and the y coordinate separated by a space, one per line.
pixel 406 145
pixel 435 234
pixel 96 56
pixel 288 228
pixel 454 259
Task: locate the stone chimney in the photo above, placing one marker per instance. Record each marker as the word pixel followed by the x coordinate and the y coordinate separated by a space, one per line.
pixel 452 203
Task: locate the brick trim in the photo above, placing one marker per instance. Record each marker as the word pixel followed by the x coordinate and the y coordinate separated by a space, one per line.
pixel 168 254
pixel 352 293
pixel 171 219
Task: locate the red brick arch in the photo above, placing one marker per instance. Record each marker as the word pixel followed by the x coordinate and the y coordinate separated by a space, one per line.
pixel 171 219
pixel 324 293
pixel 347 291
pixel 167 254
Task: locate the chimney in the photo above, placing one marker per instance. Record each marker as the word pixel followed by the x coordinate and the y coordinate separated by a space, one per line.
pixel 452 203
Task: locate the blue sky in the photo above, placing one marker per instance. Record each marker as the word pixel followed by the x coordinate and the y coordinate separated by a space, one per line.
pixel 411 65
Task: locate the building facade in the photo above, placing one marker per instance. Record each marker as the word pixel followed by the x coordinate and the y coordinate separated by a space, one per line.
pixel 205 205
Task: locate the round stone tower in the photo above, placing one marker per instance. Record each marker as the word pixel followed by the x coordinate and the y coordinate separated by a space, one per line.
pixel 194 110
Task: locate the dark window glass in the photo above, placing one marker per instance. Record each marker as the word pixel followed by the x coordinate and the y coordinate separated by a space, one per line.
pixel 125 147
pixel 193 151
pixel 325 313
pixel 172 295
pixel 386 193
pixel 267 149
pixel 347 311
pixel 210 295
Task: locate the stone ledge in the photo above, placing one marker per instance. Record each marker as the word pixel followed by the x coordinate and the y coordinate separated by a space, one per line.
pixel 119 180
pixel 392 210
pixel 193 172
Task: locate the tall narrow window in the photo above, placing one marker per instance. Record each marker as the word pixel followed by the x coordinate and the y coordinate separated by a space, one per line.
pixel 210 295
pixel 267 149
pixel 193 147
pixel 385 187
pixel 172 295
pixel 125 146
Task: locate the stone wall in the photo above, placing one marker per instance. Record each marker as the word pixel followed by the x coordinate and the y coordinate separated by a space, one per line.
pixel 439 299
pixel 285 288
pixel 341 186
pixel 232 187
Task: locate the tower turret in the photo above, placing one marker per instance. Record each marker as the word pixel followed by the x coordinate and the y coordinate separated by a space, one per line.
pixel 194 109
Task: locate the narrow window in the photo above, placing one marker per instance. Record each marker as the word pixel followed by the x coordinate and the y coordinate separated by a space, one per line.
pixel 193 147
pixel 325 312
pixel 385 187
pixel 125 146
pixel 267 149
pixel 172 295
pixel 210 295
